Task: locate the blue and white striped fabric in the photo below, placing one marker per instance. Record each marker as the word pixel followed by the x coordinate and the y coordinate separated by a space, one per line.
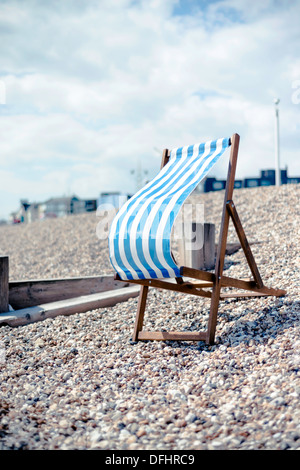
pixel 139 238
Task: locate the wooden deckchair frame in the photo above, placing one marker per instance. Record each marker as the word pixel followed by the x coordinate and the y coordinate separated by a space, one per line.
pixel 206 279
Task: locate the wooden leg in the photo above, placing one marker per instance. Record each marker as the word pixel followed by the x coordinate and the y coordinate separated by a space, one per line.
pixel 215 298
pixel 244 243
pixel 140 312
pixel 216 291
pixel 213 314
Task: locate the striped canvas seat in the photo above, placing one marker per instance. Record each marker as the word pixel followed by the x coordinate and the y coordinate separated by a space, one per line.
pixel 139 239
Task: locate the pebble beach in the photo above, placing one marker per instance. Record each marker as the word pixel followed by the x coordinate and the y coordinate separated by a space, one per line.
pixel 79 382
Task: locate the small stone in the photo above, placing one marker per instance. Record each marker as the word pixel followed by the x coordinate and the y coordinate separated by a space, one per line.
pixel 64 423
pixel 39 343
pixel 141 432
pixel 96 436
pixel 169 438
pixel 190 418
pixel 215 444
pixel 104 444
pixel 180 423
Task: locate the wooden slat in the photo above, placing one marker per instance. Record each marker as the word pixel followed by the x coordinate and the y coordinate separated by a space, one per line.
pixel 197 283
pixel 251 286
pixel 172 336
pixel 238 283
pixel 204 256
pixel 29 293
pixel 4 283
pixel 68 307
pixel 185 271
pixel 228 295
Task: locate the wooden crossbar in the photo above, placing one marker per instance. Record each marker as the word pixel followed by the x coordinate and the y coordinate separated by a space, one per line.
pixel 226 281
pixel 186 288
pixel 172 336
pixel 196 288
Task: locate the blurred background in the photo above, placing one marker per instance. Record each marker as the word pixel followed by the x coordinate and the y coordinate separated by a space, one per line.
pixel 91 92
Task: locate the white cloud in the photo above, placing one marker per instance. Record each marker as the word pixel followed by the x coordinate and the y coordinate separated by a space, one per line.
pixel 98 85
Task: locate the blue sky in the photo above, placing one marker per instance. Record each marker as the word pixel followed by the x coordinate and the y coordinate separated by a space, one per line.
pixel 95 88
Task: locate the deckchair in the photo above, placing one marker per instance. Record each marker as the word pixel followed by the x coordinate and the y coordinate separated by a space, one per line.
pixel 140 238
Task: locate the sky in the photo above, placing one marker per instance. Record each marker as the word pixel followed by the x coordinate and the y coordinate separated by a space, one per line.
pixel 91 92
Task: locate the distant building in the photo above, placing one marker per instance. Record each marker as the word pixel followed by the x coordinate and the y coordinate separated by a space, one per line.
pixel 28 212
pixel 52 208
pixel 59 206
pixel 90 205
pixel 115 199
pixel 212 184
pixel 79 206
pixel 267 178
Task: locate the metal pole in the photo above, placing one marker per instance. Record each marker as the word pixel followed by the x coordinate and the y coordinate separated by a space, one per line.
pixel 277 163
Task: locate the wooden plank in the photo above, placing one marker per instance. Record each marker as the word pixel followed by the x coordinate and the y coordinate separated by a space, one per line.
pixel 251 286
pixel 237 295
pixel 4 299
pixel 172 336
pixel 238 283
pixel 208 251
pixel 29 293
pixel 197 283
pixel 263 291
pixel 185 271
pixel 203 235
pixel 68 307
